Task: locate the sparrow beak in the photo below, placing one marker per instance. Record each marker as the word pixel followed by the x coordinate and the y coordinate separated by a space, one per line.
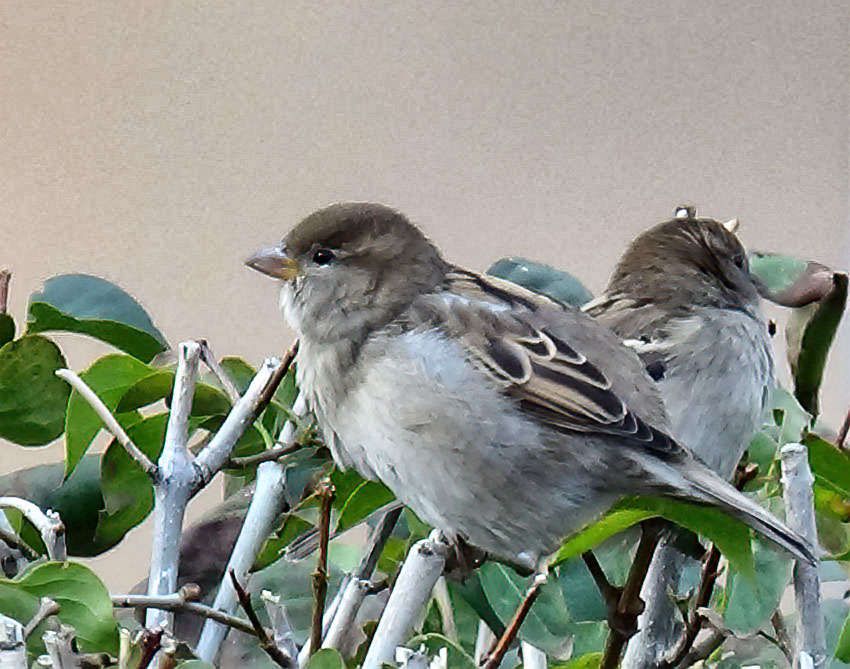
pixel 273 261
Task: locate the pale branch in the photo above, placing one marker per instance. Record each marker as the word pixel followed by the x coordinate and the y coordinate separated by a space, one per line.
pixel 532 657
pixel 283 637
pixel 46 608
pixel 172 485
pixel 13 648
pixel 48 523
pixel 494 659
pixel 326 493
pixel 60 648
pixel 209 359
pixel 266 643
pixel 797 481
pixel 266 505
pixel 419 573
pixel 484 641
pixel 444 605
pixel 355 589
pixel 180 602
pixel 108 420
pixel 216 453
pixel 5 278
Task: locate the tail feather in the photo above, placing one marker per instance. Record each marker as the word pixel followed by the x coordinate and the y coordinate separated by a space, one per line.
pixel 709 487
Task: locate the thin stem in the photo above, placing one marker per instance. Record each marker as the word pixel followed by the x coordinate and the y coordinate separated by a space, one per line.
pixel 842 433
pixel 277 656
pixel 46 608
pixel 495 658
pixel 630 597
pixel 48 523
pixel 209 359
pixel 5 278
pixel 609 592
pixel 320 576
pixel 274 453
pixel 108 420
pixel 177 601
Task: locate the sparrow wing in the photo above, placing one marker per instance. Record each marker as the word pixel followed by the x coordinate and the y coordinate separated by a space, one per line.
pixel 521 339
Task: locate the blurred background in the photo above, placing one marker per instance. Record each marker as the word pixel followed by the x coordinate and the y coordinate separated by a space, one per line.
pixel 157 144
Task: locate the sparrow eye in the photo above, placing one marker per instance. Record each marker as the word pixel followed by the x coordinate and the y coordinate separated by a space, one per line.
pixel 740 260
pixel 323 256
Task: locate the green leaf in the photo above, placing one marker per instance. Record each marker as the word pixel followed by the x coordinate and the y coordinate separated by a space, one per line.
pixel 472 592
pixel 547 625
pixel 815 334
pixel 207 401
pixel 275 546
pixel 842 651
pixel 84 603
pixel 7 329
pixel 457 657
pixel 33 399
pixel 95 307
pixel 731 536
pixel 109 377
pixel 366 498
pixel 589 661
pixel 326 658
pixel 77 499
pixel 829 463
pixel 752 601
pixel 195 664
pixel 544 279
pixel 792 418
pixel 777 273
pixel 127 490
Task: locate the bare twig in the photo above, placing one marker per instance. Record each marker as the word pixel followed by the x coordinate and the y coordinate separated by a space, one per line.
pixel 172 485
pixel 275 653
pixel 151 643
pixel 108 420
pixel 320 576
pixel 12 540
pixel 421 569
pixel 273 453
pixel 5 278
pixel 355 589
pixel 610 593
pixel 630 602
pixel 209 359
pixel 182 600
pixel 216 453
pixel 46 608
pixel 279 375
pixel 797 483
pixel 13 649
pixel 842 433
pixel 48 523
pixel 783 640
pixel 266 505
pixel 495 658
pixel 704 647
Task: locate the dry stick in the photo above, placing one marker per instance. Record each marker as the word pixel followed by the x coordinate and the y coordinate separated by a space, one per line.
pixel 273 453
pixel 172 485
pixel 320 576
pixel 266 505
pixel 179 602
pixel 630 596
pixel 48 523
pixel 354 591
pixel 266 643
pixel 108 420
pixel 495 658
pixel 5 278
pixel 704 647
pixel 13 648
pixel 419 573
pixel 797 483
pixel 46 608
pixel 217 452
pixel 209 359
pixel 842 433
pixel 783 640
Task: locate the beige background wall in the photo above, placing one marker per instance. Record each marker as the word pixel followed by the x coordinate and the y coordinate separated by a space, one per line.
pixel 158 143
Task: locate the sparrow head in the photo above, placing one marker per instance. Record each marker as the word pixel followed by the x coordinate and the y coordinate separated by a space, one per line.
pixel 352 266
pixel 687 262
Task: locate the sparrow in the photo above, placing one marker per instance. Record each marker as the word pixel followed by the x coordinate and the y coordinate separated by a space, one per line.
pixel 496 415
pixel 683 298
